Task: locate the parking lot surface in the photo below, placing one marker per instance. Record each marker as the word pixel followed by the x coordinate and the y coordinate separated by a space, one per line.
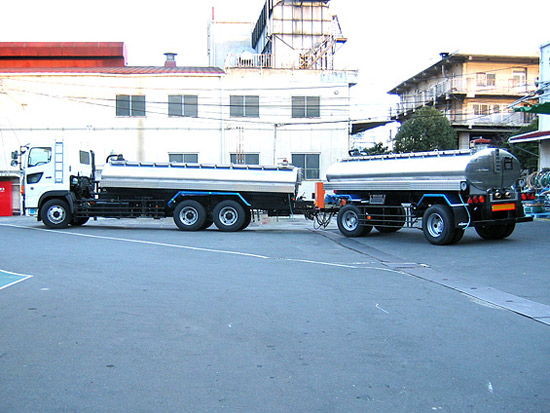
pixel 122 315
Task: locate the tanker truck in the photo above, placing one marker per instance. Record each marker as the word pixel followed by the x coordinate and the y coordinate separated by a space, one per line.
pixel 441 192
pixel 61 187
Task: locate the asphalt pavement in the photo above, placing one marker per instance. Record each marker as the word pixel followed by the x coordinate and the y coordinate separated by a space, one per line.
pixel 136 316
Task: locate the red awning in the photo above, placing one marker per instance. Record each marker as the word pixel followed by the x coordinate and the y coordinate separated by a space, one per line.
pixel 530 137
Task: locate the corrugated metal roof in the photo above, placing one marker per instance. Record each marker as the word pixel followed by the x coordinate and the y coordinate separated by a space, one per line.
pixel 125 70
pixel 61 49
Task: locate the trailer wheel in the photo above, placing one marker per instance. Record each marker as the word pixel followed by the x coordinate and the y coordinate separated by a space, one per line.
pixel 459 233
pixel 229 216
pixel 190 215
pixel 348 222
pixel 55 213
pixel 492 232
pixel 438 225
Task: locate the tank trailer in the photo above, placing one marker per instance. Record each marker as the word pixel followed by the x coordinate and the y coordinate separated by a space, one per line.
pixel 443 193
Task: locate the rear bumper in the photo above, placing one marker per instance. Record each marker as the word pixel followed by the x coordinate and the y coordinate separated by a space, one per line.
pixel 502 221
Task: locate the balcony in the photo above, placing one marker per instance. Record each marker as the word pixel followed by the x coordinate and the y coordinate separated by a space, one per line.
pixel 249 60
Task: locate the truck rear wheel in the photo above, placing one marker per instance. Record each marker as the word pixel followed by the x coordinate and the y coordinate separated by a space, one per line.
pixel 438 225
pixel 491 232
pixel 190 215
pixel 55 214
pixel 348 222
pixel 229 216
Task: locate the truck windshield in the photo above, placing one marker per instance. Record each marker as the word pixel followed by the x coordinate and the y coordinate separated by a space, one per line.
pixel 39 156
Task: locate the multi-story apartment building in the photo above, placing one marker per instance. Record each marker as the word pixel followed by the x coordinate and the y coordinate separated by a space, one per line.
pixel 540 109
pixel 473 91
pixel 247 106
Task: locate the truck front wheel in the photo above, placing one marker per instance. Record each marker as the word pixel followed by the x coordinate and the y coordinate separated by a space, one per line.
pixel 438 225
pixel 56 214
pixel 348 222
pixel 190 215
pixel 229 216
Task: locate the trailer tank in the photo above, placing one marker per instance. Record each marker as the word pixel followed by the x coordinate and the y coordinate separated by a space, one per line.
pixel 445 170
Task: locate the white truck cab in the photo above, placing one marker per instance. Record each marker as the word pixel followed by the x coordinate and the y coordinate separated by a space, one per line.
pixel 47 170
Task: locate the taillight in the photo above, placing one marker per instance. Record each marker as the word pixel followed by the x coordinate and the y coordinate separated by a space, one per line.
pixel 476 199
pixel 528 196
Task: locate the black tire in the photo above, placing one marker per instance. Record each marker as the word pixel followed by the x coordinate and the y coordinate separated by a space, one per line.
pixel 207 223
pixel 56 214
pixel 492 232
pixel 190 215
pixel 229 216
pixel 348 222
pixel 438 225
pixel 247 218
pixel 459 233
pixel 394 221
pixel 77 222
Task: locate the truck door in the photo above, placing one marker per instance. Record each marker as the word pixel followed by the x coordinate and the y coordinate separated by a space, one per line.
pixel 39 176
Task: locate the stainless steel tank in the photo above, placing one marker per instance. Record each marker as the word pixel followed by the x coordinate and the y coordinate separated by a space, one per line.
pixel 445 170
pixel 200 177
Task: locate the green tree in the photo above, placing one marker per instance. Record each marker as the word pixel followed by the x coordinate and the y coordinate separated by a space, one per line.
pixel 377 149
pixel 528 152
pixel 427 130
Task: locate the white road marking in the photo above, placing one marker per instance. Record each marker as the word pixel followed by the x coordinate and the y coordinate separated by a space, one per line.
pixel 202 249
pixel 23 278
pixel 381 309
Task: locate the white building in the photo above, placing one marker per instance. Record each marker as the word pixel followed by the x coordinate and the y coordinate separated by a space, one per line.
pixel 249 111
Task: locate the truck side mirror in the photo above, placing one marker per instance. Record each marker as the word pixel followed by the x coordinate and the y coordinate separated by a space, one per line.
pixel 14 158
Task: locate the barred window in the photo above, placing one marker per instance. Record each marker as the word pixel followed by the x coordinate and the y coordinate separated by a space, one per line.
pixel 244 106
pixel 184 157
pixel 245 158
pixel 309 162
pixel 183 105
pixel 130 105
pixel 306 106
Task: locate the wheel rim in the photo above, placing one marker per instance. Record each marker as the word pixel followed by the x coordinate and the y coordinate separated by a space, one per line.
pixel 228 216
pixel 56 214
pixel 189 215
pixel 350 221
pixel 436 225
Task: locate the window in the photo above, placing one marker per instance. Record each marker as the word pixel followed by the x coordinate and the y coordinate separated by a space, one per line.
pixel 491 79
pixel 40 156
pixel 518 78
pixel 183 105
pixel 306 106
pixel 481 79
pixel 244 106
pixel 184 157
pixel 481 109
pixel 133 105
pixel 84 158
pixel 309 162
pixel 245 158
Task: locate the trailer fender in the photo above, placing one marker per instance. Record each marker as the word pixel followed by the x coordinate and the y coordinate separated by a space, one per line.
pixel 461 216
